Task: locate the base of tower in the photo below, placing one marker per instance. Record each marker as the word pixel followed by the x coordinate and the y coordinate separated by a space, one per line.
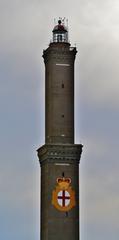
pixel 60 191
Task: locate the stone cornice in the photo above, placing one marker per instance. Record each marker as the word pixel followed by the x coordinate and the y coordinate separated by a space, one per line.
pixel 59 53
pixel 63 153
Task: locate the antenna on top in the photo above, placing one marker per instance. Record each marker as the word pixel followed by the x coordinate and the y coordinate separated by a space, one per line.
pixel 63 20
pixel 54 21
pixel 67 23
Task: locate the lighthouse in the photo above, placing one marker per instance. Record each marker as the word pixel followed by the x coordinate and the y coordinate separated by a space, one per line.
pixel 59 157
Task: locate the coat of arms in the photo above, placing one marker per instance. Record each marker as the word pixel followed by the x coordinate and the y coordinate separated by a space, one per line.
pixel 63 197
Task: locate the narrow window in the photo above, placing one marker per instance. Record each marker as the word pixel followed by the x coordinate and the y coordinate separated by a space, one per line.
pixel 62 115
pixel 66 214
pixel 62 85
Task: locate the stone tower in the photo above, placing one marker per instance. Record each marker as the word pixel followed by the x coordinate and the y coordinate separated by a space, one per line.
pixel 59 157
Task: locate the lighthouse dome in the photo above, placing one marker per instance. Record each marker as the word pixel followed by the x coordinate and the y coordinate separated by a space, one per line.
pixel 60 33
pixel 60 27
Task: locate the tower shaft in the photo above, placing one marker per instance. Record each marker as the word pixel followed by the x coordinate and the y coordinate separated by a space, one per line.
pixel 59 84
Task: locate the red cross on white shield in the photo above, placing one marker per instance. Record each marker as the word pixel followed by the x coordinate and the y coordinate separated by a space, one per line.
pixel 63 198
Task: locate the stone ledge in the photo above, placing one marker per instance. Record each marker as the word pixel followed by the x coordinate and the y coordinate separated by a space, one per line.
pixel 68 153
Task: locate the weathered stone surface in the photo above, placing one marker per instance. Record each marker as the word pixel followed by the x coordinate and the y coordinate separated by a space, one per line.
pixel 59 93
pixel 59 157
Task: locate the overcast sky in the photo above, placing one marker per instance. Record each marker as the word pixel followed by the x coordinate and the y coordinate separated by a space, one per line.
pixel 25 30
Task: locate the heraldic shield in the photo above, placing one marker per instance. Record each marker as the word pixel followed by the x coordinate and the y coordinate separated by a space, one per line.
pixel 63 197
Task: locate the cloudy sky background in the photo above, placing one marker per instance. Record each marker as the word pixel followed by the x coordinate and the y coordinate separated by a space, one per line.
pixel 25 30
